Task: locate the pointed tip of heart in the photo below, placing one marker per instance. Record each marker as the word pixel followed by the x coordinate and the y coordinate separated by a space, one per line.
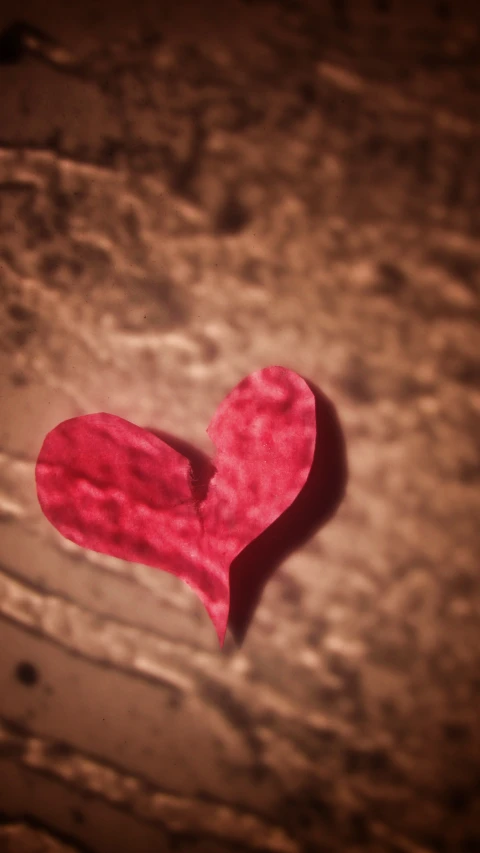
pixel 218 613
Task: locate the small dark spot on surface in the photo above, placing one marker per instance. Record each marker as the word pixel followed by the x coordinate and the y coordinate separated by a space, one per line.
pixel 459 265
pixel 11 750
pixel 463 585
pixel 467 372
pixel 355 383
pixel 210 349
pixel 378 760
pixel 132 226
pixel 308 92
pixel 469 472
pixel 375 762
pixel 78 816
pixel 351 691
pixel 328 696
pixel 17 728
pixel 306 809
pixel 323 809
pixel 410 388
pixel 59 749
pixel 456 732
pixel 389 709
pixel 62 205
pixel 8 256
pixel 26 673
pixel 12 48
pixel 354 761
pixel 183 171
pixel 455 188
pixel 50 263
pixel 93 258
pixel 395 654
pixel 76 266
pixel 175 701
pixel 374 144
pixel 245 114
pixel 422 157
pixel 20 313
pixel 167 296
pixel 18 379
pixel 232 216
pixel 54 140
pixel 391 280
pixel 39 230
pixel 55 269
pixel 251 271
pixel 457 800
pixel 291 591
pixel 259 772
pixel 110 151
pixel 267 718
pixel 316 633
pixel 358 828
pixel 152 38
pixel 20 337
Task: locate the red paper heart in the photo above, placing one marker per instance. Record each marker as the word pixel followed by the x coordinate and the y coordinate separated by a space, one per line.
pixel 118 489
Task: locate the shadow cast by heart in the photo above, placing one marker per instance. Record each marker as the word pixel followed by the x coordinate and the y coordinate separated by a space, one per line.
pixel 313 507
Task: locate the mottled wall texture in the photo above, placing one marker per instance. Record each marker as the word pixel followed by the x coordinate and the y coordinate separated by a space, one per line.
pixel 190 192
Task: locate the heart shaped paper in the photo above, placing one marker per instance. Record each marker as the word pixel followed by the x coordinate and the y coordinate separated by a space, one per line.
pixel 119 489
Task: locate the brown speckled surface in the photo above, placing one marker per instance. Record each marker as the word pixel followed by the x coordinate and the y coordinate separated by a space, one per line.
pixel 187 194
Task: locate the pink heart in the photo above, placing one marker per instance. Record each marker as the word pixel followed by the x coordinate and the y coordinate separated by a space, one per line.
pixel 119 489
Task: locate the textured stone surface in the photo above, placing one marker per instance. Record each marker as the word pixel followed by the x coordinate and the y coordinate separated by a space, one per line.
pixel 187 195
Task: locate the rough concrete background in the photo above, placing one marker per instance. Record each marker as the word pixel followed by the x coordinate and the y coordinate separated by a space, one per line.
pixel 189 192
